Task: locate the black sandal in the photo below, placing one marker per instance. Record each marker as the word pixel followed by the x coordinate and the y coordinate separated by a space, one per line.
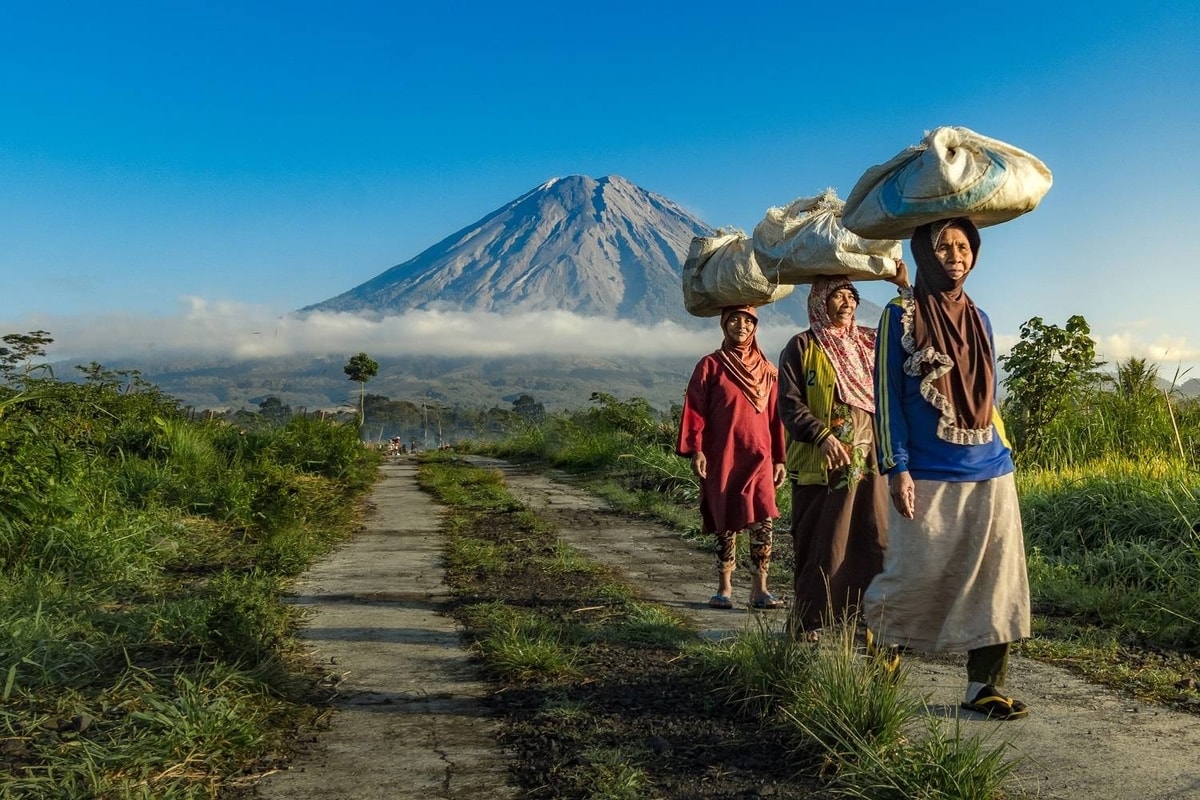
pixel 994 705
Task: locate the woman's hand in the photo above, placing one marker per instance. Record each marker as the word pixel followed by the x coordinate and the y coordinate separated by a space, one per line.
pixel 699 465
pixel 837 455
pixel 780 474
pixel 901 278
pixel 904 494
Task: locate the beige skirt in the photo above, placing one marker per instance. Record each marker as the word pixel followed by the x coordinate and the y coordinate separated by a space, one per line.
pixel 953 577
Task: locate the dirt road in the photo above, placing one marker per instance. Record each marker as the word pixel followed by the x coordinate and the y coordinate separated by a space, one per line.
pixel 408 725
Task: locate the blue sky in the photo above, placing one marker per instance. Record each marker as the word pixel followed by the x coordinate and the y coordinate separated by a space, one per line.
pixel 187 173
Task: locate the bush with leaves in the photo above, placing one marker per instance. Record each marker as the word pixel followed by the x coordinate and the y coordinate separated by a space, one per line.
pixel 1049 372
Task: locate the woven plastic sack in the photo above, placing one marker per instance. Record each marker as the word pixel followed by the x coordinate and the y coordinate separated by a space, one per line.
pixel 953 172
pixel 798 242
pixel 722 271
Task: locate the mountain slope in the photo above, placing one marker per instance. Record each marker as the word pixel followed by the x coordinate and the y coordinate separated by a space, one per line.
pixel 602 247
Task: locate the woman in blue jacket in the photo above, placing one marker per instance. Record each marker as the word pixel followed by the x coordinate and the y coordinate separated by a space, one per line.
pixel 954 576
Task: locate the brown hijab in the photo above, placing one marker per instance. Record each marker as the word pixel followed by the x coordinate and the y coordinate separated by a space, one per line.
pixel 752 371
pixel 952 350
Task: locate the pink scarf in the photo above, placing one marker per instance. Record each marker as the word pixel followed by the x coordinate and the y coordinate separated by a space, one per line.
pixel 850 349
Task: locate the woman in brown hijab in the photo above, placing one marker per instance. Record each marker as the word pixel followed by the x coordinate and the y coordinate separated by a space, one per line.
pixel 954 576
pixel 730 430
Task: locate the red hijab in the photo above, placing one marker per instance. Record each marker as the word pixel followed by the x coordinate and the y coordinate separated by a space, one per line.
pixel 752 371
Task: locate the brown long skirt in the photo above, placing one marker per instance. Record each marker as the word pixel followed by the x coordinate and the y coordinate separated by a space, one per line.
pixel 840 537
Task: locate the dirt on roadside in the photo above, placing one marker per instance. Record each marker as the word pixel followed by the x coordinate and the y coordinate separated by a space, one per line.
pixel 1080 740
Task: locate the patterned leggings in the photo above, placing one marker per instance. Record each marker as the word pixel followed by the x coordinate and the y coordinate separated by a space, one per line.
pixel 761 538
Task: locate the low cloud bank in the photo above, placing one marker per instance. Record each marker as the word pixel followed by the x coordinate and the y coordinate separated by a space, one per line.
pixel 232 330
pixel 224 330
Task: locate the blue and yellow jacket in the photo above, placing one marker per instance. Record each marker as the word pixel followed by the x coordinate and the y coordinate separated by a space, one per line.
pixel 907 423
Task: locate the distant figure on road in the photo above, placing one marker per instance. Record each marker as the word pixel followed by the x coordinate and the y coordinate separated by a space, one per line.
pixel 731 432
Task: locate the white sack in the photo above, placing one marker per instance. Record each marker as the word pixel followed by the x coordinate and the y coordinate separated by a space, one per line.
pixel 953 172
pixel 806 239
pixel 721 271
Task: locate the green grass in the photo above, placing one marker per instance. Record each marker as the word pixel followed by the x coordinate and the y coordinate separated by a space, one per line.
pixel 853 718
pixel 1118 545
pixel 615 773
pixel 145 646
pixel 524 648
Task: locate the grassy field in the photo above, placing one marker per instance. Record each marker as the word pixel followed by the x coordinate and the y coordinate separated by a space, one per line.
pixel 145 650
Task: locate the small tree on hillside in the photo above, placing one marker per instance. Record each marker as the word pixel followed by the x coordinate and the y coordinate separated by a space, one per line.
pixel 273 410
pixel 20 349
pixel 1048 372
pixel 360 369
pixel 529 409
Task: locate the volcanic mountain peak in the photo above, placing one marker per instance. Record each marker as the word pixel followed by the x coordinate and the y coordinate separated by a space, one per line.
pixel 596 247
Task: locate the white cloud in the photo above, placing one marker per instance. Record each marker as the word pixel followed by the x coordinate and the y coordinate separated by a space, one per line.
pixel 226 329
pixel 1167 352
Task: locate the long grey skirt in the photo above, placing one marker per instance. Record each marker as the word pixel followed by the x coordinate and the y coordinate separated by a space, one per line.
pixel 954 578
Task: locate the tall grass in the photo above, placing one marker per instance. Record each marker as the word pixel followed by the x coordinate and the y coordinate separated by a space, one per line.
pixel 830 704
pixel 1118 543
pixel 143 634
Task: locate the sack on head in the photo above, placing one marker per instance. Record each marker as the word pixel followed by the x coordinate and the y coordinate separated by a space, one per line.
pixel 721 271
pixel 806 239
pixel 953 172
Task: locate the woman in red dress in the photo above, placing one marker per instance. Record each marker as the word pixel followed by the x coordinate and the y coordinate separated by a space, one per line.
pixel 732 433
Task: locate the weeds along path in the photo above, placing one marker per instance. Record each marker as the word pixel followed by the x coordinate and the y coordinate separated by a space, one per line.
pixel 1080 740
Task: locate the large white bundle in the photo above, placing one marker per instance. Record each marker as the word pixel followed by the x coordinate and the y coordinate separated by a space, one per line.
pixel 953 172
pixel 722 271
pixel 806 239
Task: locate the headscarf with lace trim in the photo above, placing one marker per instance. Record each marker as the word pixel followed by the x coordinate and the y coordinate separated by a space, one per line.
pixel 948 342
pixel 851 349
pixel 749 368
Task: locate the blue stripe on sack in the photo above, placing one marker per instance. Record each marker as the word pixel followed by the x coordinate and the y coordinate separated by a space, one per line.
pixel 963 202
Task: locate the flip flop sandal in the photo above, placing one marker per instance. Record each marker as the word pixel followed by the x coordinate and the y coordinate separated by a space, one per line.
pixel 719 601
pixel 767 601
pixel 994 705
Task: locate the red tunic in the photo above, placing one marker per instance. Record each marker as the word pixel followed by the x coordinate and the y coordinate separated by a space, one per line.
pixel 740 444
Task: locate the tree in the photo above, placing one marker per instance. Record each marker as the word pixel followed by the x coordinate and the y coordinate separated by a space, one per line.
pixel 21 350
pixel 360 369
pixel 1047 371
pixel 274 410
pixel 1137 378
pixel 529 409
pixel 1140 415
